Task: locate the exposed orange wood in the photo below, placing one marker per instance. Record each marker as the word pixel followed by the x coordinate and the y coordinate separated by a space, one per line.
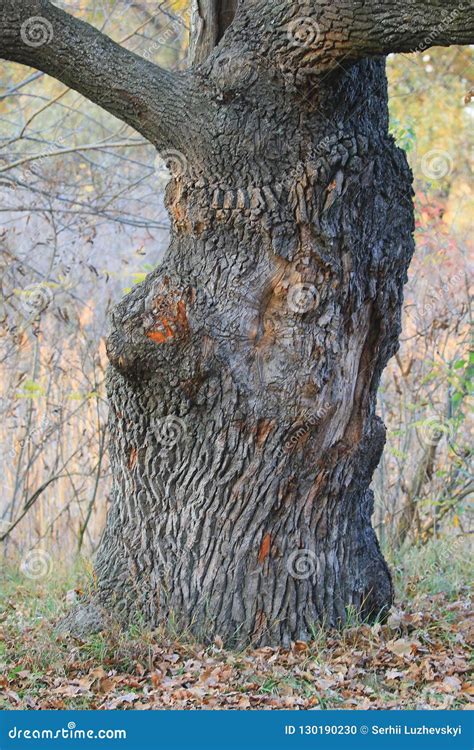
pixel 264 548
pixel 132 461
pixel 175 323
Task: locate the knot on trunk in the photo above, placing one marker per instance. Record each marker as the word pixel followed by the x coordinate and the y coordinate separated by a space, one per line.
pixel 150 325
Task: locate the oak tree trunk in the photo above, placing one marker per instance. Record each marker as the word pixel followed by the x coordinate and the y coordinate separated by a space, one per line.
pixel 244 370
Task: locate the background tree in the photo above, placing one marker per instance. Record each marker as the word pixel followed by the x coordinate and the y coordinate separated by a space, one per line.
pixel 245 370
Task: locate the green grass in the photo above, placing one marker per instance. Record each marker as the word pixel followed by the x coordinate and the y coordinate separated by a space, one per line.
pixel 432 585
pixel 440 567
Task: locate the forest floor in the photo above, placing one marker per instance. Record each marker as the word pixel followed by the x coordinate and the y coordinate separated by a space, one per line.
pixel 418 659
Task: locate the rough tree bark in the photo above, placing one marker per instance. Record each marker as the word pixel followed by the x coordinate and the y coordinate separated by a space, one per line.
pixel 244 370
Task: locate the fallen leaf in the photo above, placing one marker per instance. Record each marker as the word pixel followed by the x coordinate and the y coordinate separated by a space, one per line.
pixel 401 647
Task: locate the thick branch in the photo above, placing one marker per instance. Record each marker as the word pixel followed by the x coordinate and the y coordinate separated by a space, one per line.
pixel 381 27
pixel 151 100
pixel 315 36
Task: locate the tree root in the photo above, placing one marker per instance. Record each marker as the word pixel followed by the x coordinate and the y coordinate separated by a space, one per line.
pixel 85 619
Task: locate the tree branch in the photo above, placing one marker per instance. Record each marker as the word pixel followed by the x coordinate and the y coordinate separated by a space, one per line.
pixel 209 21
pixel 69 150
pixel 386 26
pixel 150 99
pixel 315 36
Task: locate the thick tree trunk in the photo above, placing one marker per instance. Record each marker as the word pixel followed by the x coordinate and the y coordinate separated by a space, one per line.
pixel 245 369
